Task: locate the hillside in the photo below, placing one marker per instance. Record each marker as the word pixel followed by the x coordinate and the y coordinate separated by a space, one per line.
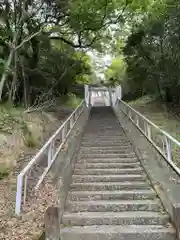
pixel 21 135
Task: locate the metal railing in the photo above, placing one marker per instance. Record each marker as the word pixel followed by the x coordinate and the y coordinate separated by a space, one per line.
pixel 47 154
pixel 167 145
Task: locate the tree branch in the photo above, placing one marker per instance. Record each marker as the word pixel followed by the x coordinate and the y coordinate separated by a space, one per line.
pixel 28 39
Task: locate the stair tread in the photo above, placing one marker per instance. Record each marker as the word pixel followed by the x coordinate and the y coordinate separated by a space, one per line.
pixel 115 183
pixel 109 164
pixel 112 170
pixel 109 175
pixel 129 214
pixel 118 229
pixel 108 178
pixel 134 202
pixel 113 192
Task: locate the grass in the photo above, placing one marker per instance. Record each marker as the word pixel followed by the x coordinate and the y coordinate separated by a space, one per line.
pixel 4 172
pixel 20 132
pixel 10 117
pixel 28 138
pixel 72 101
pixel 156 112
pixel 14 135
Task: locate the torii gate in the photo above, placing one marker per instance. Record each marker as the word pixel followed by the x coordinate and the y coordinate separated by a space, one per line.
pixel 102 96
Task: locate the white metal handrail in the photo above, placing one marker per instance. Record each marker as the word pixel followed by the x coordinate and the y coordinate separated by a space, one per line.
pixel 153 133
pixel 52 151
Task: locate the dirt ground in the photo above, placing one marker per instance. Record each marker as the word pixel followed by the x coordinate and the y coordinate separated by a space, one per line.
pixel 21 135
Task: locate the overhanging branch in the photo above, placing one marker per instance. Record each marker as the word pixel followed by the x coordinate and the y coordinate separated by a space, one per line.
pixel 79 45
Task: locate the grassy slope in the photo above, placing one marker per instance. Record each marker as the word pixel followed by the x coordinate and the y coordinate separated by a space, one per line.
pixel 158 114
pixel 20 132
pixel 21 135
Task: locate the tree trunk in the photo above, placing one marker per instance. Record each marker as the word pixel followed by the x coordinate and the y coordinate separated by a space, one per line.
pixel 12 92
pixel 6 68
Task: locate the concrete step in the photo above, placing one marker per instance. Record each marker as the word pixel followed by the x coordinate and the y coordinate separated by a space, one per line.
pixel 104 132
pixel 112 195
pixel 104 135
pixel 116 130
pixel 108 178
pixel 109 160
pixel 106 155
pixel 127 232
pixel 114 218
pixel 106 151
pixel 114 206
pixel 96 148
pixel 105 171
pixel 107 165
pixel 105 144
pixel 105 138
pixel 110 186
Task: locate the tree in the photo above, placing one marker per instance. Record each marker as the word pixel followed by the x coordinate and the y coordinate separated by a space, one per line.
pixel 29 32
pixel 116 72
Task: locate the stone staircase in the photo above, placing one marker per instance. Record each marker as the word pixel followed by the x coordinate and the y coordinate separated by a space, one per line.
pixel 110 196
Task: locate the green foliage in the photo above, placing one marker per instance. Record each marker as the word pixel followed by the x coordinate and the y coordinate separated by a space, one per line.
pixel 9 117
pixel 72 101
pixel 152 53
pixel 51 43
pixel 4 172
pixel 49 59
pixel 116 72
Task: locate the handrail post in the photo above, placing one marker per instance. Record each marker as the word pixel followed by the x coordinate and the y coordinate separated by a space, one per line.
pixel 86 94
pixel 90 97
pixel 19 194
pixel 110 96
pixel 168 149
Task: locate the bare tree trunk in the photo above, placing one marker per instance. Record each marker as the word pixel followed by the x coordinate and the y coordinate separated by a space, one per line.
pixel 6 69
pixel 12 92
pixel 25 92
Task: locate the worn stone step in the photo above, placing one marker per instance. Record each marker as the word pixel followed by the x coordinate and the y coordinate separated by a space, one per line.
pixel 105 142
pixel 105 127
pixel 109 160
pixel 105 138
pixel 106 151
pixel 106 155
pixel 97 148
pixel 110 186
pixel 105 171
pixel 104 132
pixel 112 195
pixel 127 232
pixel 114 206
pixel 107 165
pixel 109 144
pixel 114 218
pixel 108 178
